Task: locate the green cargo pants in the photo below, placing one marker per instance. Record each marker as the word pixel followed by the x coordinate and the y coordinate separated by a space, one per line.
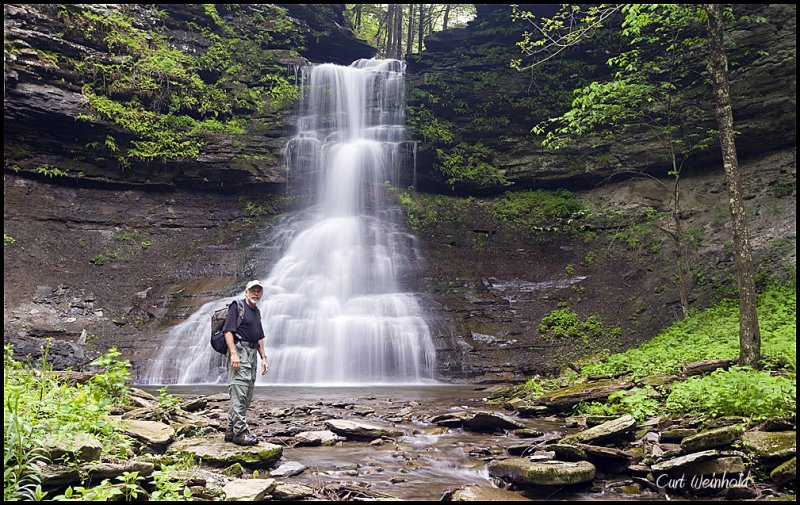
pixel 241 384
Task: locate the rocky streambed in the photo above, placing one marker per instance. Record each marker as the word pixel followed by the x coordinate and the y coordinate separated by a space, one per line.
pixel 437 443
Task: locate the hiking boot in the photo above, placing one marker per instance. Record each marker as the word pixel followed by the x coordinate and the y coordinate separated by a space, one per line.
pixel 245 438
pixel 229 433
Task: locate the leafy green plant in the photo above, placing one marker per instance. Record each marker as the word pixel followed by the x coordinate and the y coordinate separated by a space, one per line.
pixel 8 239
pixel 641 403
pixel 469 163
pixel 712 334
pixel 738 391
pixel 565 323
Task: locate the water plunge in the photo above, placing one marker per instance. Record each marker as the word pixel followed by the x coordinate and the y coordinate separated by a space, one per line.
pixel 334 308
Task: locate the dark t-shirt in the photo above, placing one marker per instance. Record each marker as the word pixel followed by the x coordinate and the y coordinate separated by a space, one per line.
pixel 250 330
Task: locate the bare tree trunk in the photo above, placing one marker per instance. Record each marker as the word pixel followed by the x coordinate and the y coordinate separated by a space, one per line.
pixel 410 39
pixel 390 32
pixel 398 54
pixel 358 9
pixel 749 333
pixel 446 15
pixel 421 25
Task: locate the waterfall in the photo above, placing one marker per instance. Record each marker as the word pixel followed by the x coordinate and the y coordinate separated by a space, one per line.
pixel 335 310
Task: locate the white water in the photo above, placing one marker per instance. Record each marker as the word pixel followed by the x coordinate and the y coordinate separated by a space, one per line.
pixel 333 308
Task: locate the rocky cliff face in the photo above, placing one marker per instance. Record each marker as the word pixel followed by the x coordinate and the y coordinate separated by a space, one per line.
pixel 463 83
pixel 116 231
pixel 187 96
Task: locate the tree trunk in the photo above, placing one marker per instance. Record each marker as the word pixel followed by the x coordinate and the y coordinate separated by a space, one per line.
pixel 749 334
pixel 398 53
pixel 358 8
pixel 421 25
pixel 390 31
pixel 446 15
pixel 410 39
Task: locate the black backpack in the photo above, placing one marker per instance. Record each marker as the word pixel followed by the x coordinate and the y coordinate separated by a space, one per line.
pixel 217 322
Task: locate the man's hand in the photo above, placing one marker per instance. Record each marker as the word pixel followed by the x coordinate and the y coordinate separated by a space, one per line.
pixel 264 366
pixel 235 363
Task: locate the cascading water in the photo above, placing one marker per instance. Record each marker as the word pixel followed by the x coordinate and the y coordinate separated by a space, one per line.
pixel 333 308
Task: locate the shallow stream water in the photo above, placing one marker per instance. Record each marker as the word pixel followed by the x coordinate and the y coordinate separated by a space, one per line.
pixel 422 465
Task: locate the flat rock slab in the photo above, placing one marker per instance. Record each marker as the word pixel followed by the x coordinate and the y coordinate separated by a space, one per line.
pixel 248 489
pixel 712 438
pixel 542 473
pixel 474 492
pixel 566 398
pixel 770 444
pixel 603 431
pixel 361 429
pixel 216 451
pixel 151 432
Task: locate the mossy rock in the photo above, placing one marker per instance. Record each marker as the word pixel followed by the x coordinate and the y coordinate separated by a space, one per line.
pixel 217 452
pixel 542 473
pixel 770 444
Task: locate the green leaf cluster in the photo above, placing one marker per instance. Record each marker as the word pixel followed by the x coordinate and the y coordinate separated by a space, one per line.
pixel 641 403
pixel 534 210
pixel 469 163
pixel 565 323
pixel 39 405
pixel 738 391
pixel 712 334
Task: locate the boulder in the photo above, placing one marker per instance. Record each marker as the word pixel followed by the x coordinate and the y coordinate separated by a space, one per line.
pixel 321 437
pixel 601 432
pixel 361 429
pixel 474 492
pixel 770 444
pixel 79 447
pixel 216 451
pixel 248 489
pixel 565 398
pixel 490 422
pixel 785 472
pixel 542 473
pixel 712 438
pixel 150 432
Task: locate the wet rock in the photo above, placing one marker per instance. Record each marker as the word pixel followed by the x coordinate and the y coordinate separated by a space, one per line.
pixel 490 422
pixel 216 451
pixel 770 444
pixel 543 473
pixel 606 458
pixel 361 429
pixel 527 433
pixel 321 437
pixel 567 452
pixel 474 492
pixel 288 469
pixel 712 438
pixel 602 432
pixel 565 398
pixel 785 472
pixel 194 405
pixel 248 489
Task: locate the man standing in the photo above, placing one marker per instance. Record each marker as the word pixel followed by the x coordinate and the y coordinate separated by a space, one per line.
pixel 243 344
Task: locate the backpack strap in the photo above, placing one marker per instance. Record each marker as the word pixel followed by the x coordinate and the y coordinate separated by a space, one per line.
pixel 240 318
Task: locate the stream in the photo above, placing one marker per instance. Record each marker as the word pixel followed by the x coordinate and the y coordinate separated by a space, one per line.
pixel 422 465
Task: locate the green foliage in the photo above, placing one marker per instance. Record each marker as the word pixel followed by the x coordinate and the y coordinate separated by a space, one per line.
pixel 38 405
pixel 423 122
pixel 168 489
pixel 167 402
pixel 8 239
pixel 51 171
pixel 469 163
pixel 641 403
pixel 565 323
pixel 536 210
pixel 738 391
pixel 712 334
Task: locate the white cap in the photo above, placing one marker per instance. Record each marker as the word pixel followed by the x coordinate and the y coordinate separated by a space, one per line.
pixel 254 283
